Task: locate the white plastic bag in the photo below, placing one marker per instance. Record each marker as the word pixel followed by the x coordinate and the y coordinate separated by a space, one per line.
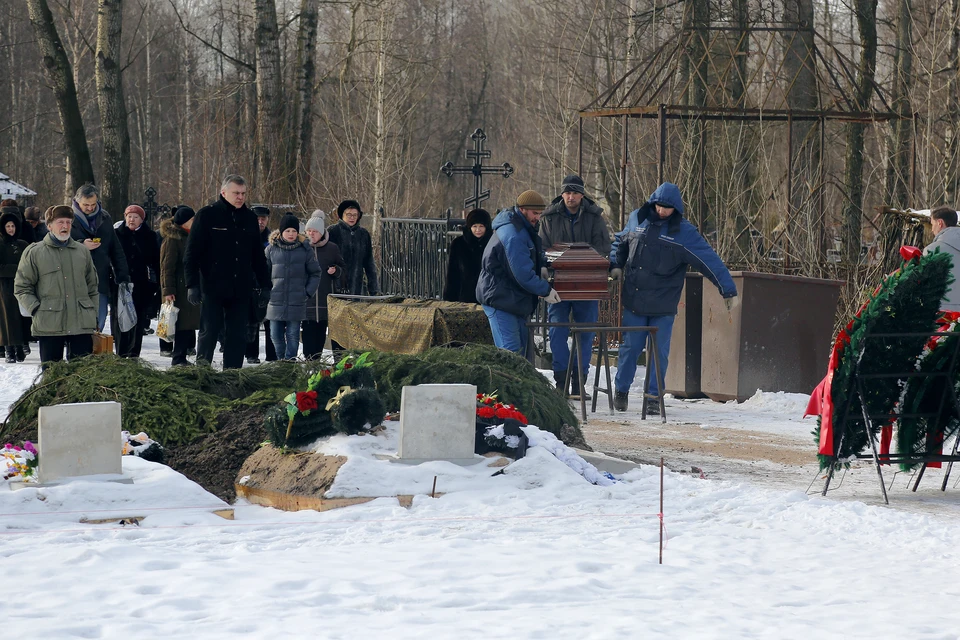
pixel 167 323
pixel 126 312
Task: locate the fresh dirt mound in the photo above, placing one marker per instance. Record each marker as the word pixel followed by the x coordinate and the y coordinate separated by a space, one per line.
pixel 214 460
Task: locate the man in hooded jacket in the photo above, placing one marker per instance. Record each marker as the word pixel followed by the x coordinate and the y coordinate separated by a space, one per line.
pixel 652 254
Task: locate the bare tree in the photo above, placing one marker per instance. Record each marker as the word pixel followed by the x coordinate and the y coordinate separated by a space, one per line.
pixel 303 98
pixel 113 111
pixel 79 169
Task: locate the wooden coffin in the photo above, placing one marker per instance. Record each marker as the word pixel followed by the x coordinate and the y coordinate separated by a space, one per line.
pixel 579 272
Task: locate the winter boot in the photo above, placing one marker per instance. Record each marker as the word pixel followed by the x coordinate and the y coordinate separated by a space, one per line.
pixel 574 383
pixel 653 406
pixel 560 377
pixel 620 400
pixel 11 355
pixel 21 355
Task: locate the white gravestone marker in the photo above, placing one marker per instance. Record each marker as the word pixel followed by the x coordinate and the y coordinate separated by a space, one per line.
pixel 438 422
pixel 80 439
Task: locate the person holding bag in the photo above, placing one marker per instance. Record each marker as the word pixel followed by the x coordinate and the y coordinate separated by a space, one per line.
pixel 173 282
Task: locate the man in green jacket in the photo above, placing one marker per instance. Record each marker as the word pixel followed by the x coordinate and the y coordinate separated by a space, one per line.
pixel 56 283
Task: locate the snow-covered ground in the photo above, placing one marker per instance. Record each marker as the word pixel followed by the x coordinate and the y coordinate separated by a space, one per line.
pixel 536 552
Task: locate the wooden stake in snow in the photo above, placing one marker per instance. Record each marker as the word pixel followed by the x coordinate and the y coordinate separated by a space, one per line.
pixel 433 492
pixel 660 515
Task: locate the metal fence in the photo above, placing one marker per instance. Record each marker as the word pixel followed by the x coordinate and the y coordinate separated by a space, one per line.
pixel 413 255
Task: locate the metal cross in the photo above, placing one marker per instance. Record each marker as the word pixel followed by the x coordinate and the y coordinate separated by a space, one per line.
pixel 477 169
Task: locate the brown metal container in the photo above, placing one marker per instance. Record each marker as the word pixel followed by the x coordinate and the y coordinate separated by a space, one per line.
pixel 579 272
pixel 683 374
pixel 777 338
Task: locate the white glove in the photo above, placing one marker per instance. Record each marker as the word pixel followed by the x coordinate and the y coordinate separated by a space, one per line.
pixel 731 302
pixel 616 273
pixel 544 273
pixel 553 297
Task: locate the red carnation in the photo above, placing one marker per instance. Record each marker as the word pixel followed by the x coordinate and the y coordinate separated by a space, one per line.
pixel 325 373
pixel 485 412
pixel 349 365
pixel 306 400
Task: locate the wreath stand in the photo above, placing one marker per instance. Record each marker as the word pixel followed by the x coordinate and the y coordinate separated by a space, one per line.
pixel 858 384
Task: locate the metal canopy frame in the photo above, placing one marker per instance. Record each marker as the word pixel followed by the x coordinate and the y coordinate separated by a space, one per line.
pixel 655 89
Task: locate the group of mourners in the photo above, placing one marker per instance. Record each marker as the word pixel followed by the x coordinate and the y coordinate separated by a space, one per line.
pixel 228 274
pixel 502 265
pixel 222 267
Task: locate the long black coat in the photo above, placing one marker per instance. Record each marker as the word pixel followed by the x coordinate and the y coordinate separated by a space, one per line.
pixel 327 256
pixel 224 254
pixel 173 282
pixel 463 268
pixel 11 248
pixel 24 231
pixel 108 255
pixel 142 252
pixel 356 247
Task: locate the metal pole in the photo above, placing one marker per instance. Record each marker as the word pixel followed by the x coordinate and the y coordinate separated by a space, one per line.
pixel 662 146
pixel 580 147
pixel 702 214
pixel 623 171
pixel 786 234
pixel 822 188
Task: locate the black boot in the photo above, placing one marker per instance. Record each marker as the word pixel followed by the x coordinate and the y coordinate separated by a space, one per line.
pixel 21 355
pixel 11 355
pixel 620 399
pixel 574 383
pixel 653 406
pixel 560 377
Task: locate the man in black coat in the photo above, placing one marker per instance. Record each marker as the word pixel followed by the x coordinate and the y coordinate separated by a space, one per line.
pixel 224 265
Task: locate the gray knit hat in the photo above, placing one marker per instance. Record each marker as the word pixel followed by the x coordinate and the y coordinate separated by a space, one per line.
pixel 317 221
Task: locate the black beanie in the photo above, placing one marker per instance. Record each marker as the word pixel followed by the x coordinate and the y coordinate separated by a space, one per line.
pixel 183 215
pixel 289 221
pixel 478 216
pixel 349 204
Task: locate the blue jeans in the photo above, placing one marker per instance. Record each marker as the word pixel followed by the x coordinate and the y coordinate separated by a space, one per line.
pixel 583 311
pixel 633 345
pixel 509 331
pixel 285 336
pixel 102 313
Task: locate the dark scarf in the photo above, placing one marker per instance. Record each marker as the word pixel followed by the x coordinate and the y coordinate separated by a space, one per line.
pixel 89 222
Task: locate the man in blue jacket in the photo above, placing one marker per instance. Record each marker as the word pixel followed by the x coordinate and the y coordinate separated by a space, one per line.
pixel 510 273
pixel 652 254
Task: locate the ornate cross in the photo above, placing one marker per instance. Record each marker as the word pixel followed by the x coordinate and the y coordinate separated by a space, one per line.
pixel 477 169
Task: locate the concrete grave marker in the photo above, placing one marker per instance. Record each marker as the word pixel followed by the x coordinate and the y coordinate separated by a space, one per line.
pixel 80 439
pixel 438 422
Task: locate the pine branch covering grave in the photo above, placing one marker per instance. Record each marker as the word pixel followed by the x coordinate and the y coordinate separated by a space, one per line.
pixel 492 370
pixel 173 407
pixel 907 300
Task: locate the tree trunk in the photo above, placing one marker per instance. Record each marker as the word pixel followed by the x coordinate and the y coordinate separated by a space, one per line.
pixel 866 14
pixel 799 77
pixel 113 111
pixel 306 76
pixel 270 165
pixel 952 173
pixel 901 131
pixel 380 160
pixel 79 167
pixel 185 147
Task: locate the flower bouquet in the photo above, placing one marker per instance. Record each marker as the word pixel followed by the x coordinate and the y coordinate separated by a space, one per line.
pixel 338 399
pixel 498 427
pixel 19 462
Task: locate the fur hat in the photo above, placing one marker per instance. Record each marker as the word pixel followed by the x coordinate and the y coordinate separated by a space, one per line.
pixel 478 216
pixel 318 221
pixel 530 199
pixel 59 211
pixel 137 209
pixel 32 213
pixel 348 204
pixel 573 183
pixel 289 221
pixel 183 215
pixel 10 217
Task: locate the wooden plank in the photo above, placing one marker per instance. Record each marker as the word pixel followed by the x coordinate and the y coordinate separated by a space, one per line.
pixel 226 514
pixel 291 502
